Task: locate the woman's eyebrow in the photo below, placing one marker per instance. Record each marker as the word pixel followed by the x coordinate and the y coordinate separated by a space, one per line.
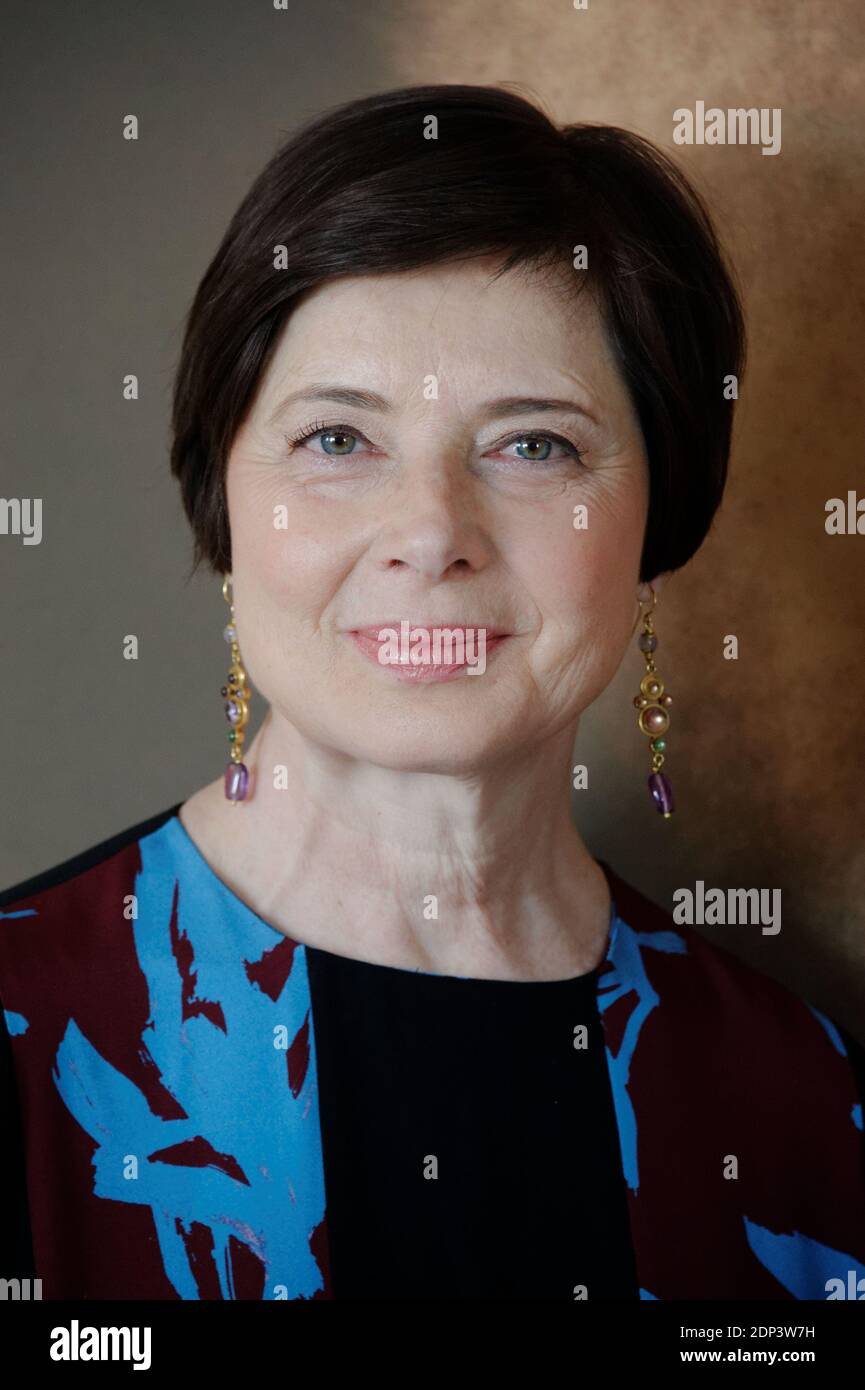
pixel 527 405
pixel 370 400
pixel 341 395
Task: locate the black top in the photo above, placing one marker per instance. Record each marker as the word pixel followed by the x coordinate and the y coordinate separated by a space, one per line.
pixel 470 1149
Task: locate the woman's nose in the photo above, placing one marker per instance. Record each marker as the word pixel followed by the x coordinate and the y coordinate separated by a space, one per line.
pixel 433 527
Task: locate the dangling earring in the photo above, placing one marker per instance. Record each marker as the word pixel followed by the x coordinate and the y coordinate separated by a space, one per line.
pixel 653 717
pixel 236 693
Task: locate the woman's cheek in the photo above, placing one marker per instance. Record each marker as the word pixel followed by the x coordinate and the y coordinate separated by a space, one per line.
pixel 277 539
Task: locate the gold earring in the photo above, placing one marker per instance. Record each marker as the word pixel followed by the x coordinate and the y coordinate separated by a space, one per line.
pixel 653 717
pixel 236 693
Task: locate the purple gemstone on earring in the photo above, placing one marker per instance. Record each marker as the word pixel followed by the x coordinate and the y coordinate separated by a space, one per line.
pixel 647 642
pixel 229 633
pixel 233 712
pixel 662 793
pixel 236 781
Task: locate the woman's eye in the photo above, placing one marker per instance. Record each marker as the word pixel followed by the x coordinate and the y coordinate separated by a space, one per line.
pixel 539 448
pixel 536 448
pixel 337 442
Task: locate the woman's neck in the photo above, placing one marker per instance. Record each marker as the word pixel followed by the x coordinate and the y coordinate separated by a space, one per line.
pixel 481 875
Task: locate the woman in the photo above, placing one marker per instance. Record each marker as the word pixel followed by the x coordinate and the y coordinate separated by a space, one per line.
pixel 364 1017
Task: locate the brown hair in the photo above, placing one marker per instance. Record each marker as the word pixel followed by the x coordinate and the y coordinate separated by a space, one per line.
pixel 361 190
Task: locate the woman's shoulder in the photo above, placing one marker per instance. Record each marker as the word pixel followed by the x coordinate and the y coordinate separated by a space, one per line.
pixel 73 900
pixel 707 985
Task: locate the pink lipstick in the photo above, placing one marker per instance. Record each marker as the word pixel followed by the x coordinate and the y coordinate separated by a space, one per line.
pixel 427 652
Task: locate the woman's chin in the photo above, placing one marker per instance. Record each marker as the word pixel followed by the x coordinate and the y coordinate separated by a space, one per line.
pixel 432 746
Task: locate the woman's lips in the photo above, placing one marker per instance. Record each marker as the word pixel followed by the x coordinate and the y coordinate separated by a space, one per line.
pixel 477 644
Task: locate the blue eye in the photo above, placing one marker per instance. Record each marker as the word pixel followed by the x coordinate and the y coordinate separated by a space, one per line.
pixel 532 440
pixel 544 442
pixel 336 440
pixel 342 441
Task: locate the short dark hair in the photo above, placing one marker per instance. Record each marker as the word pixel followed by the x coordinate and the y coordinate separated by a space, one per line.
pixel 360 189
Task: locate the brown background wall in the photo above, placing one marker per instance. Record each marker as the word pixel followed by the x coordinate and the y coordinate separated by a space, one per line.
pixel 105 245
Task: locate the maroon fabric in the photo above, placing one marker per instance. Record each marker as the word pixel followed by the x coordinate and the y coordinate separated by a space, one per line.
pixel 731 1063
pixel 726 1062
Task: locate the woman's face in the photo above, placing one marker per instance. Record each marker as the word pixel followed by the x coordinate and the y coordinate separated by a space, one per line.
pixel 432 491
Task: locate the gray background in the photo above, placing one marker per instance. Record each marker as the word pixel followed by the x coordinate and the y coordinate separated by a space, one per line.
pixel 105 243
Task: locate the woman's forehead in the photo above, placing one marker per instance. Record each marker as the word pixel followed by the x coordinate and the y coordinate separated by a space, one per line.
pixel 451 289
pixel 518 328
